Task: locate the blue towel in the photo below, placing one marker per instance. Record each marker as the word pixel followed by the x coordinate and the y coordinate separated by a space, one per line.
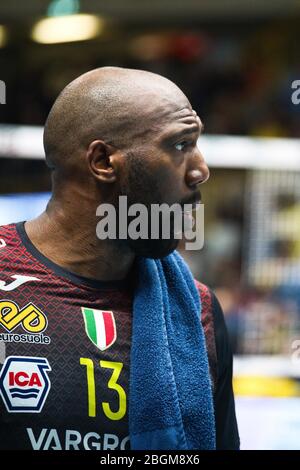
pixel 171 404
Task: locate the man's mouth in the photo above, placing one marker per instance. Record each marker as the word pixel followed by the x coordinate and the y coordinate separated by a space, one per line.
pixel 191 203
pixel 188 206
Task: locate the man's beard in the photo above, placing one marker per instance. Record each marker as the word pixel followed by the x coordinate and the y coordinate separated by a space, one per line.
pixel 142 188
pixel 150 247
pixel 153 248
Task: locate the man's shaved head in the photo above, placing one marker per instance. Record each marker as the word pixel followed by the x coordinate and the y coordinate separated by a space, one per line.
pixel 113 104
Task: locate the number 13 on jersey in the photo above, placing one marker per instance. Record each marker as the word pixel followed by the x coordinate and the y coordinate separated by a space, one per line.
pixel 112 384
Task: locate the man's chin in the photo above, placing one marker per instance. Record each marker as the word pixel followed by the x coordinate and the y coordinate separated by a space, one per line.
pixel 153 248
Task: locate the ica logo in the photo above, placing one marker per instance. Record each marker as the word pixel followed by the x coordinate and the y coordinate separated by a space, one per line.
pixel 24 383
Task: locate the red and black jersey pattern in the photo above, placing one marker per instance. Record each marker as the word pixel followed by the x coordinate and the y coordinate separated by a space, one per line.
pixel 65 352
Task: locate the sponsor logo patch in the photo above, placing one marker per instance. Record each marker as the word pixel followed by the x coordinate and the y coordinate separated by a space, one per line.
pixel 24 383
pixel 18 281
pixel 72 439
pixel 30 318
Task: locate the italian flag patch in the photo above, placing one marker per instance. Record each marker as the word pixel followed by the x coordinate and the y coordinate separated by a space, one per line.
pixel 100 326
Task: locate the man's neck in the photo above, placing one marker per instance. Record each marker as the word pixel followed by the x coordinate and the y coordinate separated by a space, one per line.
pixel 73 245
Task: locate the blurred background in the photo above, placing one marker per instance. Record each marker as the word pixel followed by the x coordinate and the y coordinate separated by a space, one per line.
pixel 236 60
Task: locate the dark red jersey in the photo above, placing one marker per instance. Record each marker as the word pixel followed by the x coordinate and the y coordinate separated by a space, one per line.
pixel 65 355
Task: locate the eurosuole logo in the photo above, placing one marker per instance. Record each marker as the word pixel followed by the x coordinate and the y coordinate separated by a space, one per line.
pixel 100 326
pixel 30 318
pixel 24 384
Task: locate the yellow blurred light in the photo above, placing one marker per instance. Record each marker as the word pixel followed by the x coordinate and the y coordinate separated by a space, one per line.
pixel 67 28
pixel 3 35
pixel 261 386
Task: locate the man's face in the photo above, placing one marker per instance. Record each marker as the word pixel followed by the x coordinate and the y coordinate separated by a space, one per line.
pixel 164 166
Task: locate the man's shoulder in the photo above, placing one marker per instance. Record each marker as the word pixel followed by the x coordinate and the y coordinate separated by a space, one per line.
pixel 208 324
pixel 205 297
pixel 10 244
pixel 212 315
pixel 7 228
pixel 8 236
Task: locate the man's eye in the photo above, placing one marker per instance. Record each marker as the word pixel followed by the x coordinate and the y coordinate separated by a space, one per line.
pixel 181 145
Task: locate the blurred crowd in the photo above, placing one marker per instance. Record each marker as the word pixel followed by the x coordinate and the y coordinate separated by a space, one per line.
pixel 238 77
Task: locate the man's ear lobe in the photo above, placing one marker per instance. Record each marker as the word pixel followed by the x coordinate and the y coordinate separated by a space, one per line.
pixel 100 161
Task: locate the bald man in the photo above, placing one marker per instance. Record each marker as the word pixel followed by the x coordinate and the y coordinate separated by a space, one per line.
pixel 111 132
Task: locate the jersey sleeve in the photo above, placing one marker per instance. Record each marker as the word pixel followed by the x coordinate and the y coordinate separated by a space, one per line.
pixel 226 424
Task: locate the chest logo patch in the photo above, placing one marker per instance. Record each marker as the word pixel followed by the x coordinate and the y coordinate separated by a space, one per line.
pixel 18 281
pixel 24 383
pixel 30 317
pixel 100 326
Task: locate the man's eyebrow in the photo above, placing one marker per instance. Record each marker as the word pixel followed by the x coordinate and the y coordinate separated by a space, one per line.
pixel 187 131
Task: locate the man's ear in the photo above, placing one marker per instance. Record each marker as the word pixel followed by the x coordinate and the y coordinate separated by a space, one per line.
pixel 100 161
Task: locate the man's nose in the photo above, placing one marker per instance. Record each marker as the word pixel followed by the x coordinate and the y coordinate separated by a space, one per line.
pixel 197 171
